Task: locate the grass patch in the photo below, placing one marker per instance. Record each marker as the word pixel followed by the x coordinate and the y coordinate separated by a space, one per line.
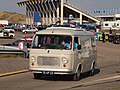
pixel 11 55
pixel 114 31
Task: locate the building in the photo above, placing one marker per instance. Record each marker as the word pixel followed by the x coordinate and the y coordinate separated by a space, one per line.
pixel 110 21
pixel 110 18
pixel 52 11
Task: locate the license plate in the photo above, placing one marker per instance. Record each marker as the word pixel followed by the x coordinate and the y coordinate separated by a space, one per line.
pixel 48 72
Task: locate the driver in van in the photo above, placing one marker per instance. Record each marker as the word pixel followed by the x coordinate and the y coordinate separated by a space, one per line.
pixel 67 42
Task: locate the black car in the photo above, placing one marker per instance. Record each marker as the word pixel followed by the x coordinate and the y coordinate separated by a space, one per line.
pixel 116 39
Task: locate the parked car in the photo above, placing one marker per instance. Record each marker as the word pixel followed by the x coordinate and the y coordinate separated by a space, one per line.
pixel 12 47
pixel 9 28
pixel 7 34
pixel 27 39
pixel 16 42
pixel 110 39
pixel 116 38
pixel 30 30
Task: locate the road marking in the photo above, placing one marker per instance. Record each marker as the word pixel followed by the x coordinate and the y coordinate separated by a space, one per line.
pixel 94 82
pixel 103 79
pixel 13 73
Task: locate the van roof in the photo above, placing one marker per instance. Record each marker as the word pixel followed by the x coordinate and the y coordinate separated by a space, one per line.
pixel 64 31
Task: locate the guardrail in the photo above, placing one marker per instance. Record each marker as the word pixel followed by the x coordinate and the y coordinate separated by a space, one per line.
pixel 11 52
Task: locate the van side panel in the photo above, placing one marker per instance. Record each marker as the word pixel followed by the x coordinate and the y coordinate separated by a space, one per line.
pixel 88 54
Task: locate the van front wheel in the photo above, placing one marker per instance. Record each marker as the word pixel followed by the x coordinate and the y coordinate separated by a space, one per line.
pixel 92 71
pixel 37 75
pixel 77 75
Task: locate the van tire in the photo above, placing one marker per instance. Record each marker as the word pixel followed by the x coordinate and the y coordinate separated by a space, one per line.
pixel 92 71
pixel 37 75
pixel 77 75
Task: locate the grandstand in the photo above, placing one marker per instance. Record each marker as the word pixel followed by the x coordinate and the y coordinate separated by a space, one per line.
pixel 52 11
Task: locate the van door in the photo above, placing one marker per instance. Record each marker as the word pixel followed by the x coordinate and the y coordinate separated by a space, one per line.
pixel 93 50
pixel 77 53
pixel 85 53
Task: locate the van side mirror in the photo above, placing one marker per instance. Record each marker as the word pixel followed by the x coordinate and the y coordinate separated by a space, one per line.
pixel 79 47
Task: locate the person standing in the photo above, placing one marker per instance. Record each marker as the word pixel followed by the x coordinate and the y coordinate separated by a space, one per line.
pixel 23 48
pixel 26 46
pixel 20 45
pixel 110 31
pixel 103 37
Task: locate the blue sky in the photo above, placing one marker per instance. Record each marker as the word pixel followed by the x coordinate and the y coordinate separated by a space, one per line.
pixel 92 4
pixel 10 5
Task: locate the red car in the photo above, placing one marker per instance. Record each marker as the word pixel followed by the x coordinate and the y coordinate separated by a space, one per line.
pixel 27 39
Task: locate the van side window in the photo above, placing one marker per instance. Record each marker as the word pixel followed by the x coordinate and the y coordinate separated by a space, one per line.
pixel 67 42
pixel 85 42
pixel 82 41
pixel 75 42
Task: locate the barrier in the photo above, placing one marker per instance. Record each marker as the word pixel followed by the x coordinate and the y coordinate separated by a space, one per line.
pixel 96 37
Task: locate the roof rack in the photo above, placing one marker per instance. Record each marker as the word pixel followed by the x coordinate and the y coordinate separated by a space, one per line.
pixel 66 28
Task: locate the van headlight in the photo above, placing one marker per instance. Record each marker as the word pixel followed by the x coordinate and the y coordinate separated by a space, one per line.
pixel 32 59
pixel 64 60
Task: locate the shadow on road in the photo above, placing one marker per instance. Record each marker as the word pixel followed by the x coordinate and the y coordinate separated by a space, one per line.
pixel 65 77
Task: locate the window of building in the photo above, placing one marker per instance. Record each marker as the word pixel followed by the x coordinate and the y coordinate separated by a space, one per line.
pixel 106 24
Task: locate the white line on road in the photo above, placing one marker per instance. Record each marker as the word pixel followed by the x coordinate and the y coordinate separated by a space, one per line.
pixel 103 79
pixel 95 82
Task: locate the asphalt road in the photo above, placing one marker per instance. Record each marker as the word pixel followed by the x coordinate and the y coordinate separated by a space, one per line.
pixel 107 79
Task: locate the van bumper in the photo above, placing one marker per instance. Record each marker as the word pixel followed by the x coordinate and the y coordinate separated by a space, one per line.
pixel 55 71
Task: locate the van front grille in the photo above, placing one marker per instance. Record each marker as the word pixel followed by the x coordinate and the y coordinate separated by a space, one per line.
pixel 48 61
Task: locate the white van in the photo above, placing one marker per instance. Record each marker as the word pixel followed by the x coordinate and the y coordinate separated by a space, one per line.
pixel 64 51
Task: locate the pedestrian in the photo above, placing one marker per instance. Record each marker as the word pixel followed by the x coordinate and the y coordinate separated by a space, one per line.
pixel 26 52
pixel 20 45
pixel 23 48
pixel 103 37
pixel 110 31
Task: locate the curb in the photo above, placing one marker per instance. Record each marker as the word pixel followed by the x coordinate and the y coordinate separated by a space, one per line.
pixel 13 73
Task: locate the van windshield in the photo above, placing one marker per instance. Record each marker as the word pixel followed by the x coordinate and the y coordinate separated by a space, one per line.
pixel 52 42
